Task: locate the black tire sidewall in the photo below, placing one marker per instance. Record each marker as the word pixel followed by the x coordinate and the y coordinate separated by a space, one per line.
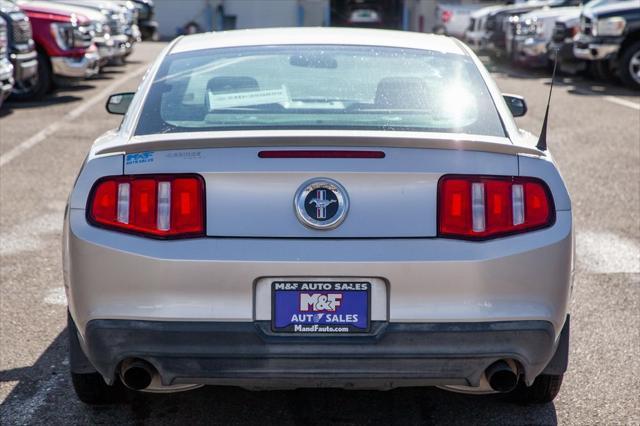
pixel 623 70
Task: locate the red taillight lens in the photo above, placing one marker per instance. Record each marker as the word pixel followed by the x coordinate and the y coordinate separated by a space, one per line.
pixel 163 206
pixel 478 207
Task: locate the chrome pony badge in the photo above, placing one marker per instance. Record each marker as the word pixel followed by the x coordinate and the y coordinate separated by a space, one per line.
pixel 321 203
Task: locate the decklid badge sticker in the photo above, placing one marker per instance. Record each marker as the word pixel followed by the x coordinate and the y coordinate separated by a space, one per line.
pixel 321 203
pixel 139 158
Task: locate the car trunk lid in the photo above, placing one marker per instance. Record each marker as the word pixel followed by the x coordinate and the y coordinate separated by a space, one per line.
pixel 389 197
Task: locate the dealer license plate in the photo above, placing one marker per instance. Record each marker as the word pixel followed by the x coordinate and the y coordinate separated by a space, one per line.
pixel 315 307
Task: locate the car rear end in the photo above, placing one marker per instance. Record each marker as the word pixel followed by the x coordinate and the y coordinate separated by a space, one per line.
pixel 301 257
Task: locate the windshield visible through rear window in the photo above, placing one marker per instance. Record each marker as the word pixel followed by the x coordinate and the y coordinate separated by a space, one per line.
pixel 319 87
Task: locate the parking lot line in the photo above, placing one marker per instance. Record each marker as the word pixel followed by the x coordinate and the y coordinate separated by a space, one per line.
pixel 43 134
pixel 622 102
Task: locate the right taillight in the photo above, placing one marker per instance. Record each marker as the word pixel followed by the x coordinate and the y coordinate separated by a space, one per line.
pixel 482 207
pixel 158 206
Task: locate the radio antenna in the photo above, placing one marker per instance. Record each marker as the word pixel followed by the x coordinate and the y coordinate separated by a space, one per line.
pixel 542 140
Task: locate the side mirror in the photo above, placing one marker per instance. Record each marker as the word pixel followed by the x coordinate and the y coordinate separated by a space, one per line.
pixel 517 105
pixel 119 103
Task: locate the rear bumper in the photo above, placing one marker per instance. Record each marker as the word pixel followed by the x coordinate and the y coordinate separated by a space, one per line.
pixel 110 275
pixel 394 355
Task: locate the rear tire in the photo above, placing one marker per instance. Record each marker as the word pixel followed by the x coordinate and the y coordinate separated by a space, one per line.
pixel 629 70
pixel 90 387
pixel 543 390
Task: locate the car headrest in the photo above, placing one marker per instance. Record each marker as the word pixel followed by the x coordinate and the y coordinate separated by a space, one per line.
pixel 402 93
pixel 232 84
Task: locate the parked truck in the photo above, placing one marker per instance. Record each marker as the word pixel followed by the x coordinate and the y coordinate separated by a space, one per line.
pixel 533 34
pixel 6 69
pixel 65 47
pixel 21 48
pixel 610 38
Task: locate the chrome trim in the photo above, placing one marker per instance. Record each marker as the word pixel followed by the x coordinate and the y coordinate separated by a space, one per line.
pixel 94 64
pixel 321 183
pixel 85 66
pixel 596 52
pixel 6 70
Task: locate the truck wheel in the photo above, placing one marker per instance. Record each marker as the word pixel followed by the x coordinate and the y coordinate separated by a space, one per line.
pixel 37 87
pixel 629 70
pixel 544 389
pixel 90 387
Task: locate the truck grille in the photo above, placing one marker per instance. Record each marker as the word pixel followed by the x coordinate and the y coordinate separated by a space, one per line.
pixel 21 31
pixel 560 32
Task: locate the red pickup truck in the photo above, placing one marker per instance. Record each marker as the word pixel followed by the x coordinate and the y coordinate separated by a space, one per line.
pixel 65 47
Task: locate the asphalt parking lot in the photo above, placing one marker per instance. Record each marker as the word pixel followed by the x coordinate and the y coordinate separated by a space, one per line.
pixel 595 137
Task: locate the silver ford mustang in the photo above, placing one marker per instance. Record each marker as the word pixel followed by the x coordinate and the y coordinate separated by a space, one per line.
pixel 292 208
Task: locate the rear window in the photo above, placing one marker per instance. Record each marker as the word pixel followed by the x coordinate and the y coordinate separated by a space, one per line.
pixel 319 87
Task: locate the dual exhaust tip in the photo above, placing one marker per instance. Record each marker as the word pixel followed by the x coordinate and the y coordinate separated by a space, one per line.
pixel 137 374
pixel 502 376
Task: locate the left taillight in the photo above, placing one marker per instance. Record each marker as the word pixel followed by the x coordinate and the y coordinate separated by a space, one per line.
pixel 483 207
pixel 159 206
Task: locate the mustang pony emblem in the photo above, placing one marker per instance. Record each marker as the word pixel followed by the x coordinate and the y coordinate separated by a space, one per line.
pixel 321 203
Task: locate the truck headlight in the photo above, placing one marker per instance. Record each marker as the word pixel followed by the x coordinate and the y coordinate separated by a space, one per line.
pixel 609 27
pixel 63 34
pixel 68 35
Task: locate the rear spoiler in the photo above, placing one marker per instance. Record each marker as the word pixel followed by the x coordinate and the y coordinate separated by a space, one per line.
pixel 332 138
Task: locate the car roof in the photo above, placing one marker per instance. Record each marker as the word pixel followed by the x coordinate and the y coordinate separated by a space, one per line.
pixel 318 35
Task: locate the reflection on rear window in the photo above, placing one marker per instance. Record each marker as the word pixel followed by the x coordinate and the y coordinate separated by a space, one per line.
pixel 319 87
